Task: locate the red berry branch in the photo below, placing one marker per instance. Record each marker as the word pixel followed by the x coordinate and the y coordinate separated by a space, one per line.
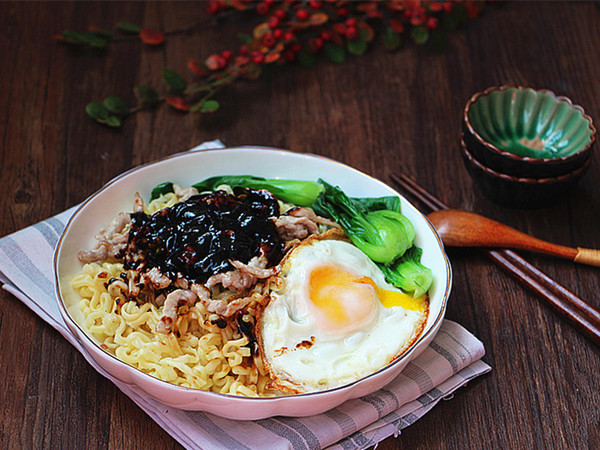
pixel 286 31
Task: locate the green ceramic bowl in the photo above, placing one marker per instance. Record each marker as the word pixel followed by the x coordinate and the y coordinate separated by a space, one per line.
pixel 527 133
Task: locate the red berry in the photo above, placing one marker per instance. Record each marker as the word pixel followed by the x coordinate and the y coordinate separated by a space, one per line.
pixel 258 59
pixel 215 62
pixel 227 54
pixel 315 4
pixel 315 44
pixel 435 6
pixel 212 7
pixel 339 28
pixel 417 20
pixel 343 12
pixel 302 14
pixel 196 67
pixel 326 35
pixel 244 49
pixel 278 34
pixel 274 22
pixel 152 37
pixel 288 36
pixel 269 2
pixel 279 13
pixel 289 55
pixel 351 22
pixel 351 33
pixel 433 23
pixel 241 60
pixel 448 7
pixel 262 9
pixel 268 40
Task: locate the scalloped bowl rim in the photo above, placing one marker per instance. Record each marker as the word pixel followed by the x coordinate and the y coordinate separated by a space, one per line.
pixel 523 180
pixel 226 405
pixel 527 159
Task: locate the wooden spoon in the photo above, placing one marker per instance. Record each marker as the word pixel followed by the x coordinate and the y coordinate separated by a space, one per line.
pixel 464 229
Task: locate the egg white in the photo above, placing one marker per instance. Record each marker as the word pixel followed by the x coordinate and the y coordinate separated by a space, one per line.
pixel 303 351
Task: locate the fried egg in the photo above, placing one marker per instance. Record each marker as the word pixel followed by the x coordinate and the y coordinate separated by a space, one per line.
pixel 334 319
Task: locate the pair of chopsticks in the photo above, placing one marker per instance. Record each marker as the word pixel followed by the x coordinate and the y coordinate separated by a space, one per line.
pixel 583 316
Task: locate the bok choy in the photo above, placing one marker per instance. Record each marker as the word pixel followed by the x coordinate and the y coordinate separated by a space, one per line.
pixel 382 234
pixel 301 193
pixel 377 227
pixel 408 274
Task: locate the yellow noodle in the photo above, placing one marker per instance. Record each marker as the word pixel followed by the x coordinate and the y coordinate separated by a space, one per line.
pixel 204 356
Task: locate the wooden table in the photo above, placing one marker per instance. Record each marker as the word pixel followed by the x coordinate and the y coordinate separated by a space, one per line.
pixel 382 113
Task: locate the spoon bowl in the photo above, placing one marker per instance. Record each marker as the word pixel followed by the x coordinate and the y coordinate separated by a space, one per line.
pixel 465 229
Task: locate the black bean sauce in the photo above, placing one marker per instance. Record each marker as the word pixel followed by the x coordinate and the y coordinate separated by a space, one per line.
pixel 198 237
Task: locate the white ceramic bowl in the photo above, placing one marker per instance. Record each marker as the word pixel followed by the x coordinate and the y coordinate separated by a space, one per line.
pixel 193 166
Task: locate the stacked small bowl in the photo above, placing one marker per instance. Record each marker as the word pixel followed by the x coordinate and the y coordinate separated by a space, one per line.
pixel 525 148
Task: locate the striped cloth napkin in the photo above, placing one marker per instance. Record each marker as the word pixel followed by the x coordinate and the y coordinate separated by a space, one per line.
pixel 450 361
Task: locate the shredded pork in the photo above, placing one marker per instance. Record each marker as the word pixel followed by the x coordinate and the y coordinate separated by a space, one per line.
pixel 112 240
pixel 299 223
pixel 174 301
pixel 184 194
pixel 310 214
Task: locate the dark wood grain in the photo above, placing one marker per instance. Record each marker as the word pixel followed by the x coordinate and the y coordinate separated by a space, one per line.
pixel 381 113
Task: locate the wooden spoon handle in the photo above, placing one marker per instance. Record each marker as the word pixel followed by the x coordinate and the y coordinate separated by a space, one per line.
pixel 587 256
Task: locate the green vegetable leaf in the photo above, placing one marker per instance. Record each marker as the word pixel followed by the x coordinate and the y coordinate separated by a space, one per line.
pixel 408 274
pixel 91 39
pixel 301 193
pixel 173 80
pixel 73 37
pixel 206 106
pixel 147 94
pixel 376 203
pixel 116 105
pixel 383 235
pixel 391 40
pixel 129 27
pixel 96 41
pixel 97 111
pixel 357 47
pixel 419 34
pixel 113 121
pixel 209 106
pixel 244 38
pixel 335 53
pixel 161 189
pixel 101 32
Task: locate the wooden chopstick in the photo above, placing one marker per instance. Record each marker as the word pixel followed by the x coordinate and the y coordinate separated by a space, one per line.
pixel 582 315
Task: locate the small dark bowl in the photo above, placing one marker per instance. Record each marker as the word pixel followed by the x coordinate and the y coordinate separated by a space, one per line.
pixel 515 192
pixel 527 133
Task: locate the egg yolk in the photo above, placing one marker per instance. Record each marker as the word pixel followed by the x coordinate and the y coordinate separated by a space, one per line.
pixel 394 298
pixel 343 304
pixel 347 302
